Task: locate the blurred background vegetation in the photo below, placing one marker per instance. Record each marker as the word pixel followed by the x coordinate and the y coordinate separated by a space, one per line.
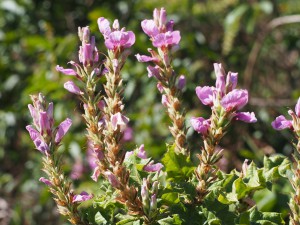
pixel 258 39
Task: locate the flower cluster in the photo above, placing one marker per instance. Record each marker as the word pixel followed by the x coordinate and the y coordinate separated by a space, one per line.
pixel 224 98
pixel 115 38
pixel 44 134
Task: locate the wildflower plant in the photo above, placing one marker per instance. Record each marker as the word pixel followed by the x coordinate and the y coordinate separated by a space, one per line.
pixel 133 188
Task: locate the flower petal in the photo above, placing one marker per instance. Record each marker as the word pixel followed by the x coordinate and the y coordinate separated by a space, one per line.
pixel 246 117
pixel 62 129
pixel 281 123
pixel 205 94
pixel 200 125
pixel 83 196
pixel 69 72
pixel 235 100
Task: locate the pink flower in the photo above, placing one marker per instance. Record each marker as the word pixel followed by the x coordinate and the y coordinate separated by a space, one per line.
pixel 141 152
pixel 77 169
pixel 297 108
pixel 281 123
pixel 62 129
pixel 200 125
pixel 150 28
pixel 113 180
pixel 145 58
pixel 165 100
pixel 71 87
pixel 120 39
pixel 69 72
pixel 37 139
pixel 45 181
pixel 153 71
pixel 235 100
pixel 151 167
pixel 167 39
pixel 220 81
pixel 246 117
pixel 96 174
pixel 83 196
pixel 160 87
pixel 231 81
pixel 181 82
pixel 128 134
pixel 45 125
pixel 118 120
pixel 104 26
pixel 206 95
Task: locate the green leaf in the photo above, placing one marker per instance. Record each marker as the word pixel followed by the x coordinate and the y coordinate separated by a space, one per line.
pixel 129 221
pixel 231 26
pixel 177 166
pixel 263 218
pixel 171 220
pixel 99 219
pixel 276 166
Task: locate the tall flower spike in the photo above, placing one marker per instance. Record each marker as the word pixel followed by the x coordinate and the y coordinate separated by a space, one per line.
pixel 224 101
pixel 43 138
pixel 169 84
pixel 282 123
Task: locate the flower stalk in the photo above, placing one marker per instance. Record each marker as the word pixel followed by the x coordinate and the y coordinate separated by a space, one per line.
pixel 224 101
pixel 170 84
pixel 281 123
pixel 47 139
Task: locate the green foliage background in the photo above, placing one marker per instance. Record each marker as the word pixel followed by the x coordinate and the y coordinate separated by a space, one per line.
pixel 36 35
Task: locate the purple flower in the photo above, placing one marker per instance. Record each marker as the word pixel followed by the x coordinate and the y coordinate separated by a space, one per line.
pixel 118 120
pixel 45 181
pixel 281 123
pixel 113 180
pixel 153 202
pixel 297 108
pixel 77 169
pixel 151 167
pixel 231 81
pixel 153 71
pixel 206 95
pixel 144 190
pixel 120 39
pixel 145 58
pixel 70 72
pixel 128 154
pixel 167 39
pixel 37 139
pixel 246 117
pixel 96 174
pixel 165 100
pixel 62 129
pixel 150 28
pixel 45 125
pixel 220 81
pixel 71 87
pixel 83 196
pixel 104 26
pixel 235 100
pixel 181 82
pixel 141 152
pixel 160 87
pixel 128 134
pixel 200 125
